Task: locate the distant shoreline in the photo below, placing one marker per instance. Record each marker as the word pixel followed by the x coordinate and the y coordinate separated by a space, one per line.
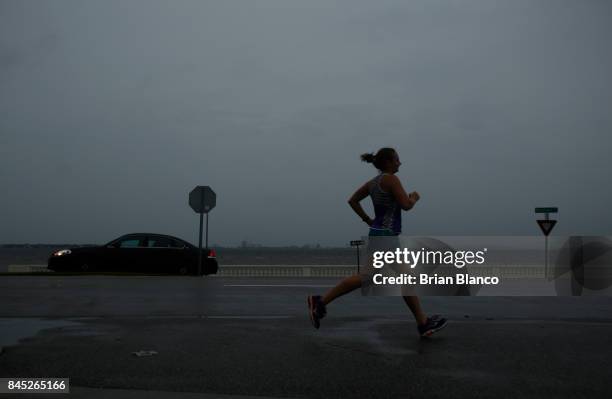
pixel 254 247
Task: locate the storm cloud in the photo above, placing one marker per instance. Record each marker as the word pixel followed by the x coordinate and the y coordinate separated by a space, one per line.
pixel 112 111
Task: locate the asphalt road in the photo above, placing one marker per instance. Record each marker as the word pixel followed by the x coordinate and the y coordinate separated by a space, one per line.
pixel 252 337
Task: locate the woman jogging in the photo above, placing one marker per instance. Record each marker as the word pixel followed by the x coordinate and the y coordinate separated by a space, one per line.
pixel 389 199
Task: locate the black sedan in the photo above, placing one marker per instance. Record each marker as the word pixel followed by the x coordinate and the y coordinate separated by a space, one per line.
pixel 140 253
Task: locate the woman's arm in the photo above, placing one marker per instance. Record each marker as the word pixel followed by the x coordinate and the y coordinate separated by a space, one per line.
pixel 406 201
pixel 360 194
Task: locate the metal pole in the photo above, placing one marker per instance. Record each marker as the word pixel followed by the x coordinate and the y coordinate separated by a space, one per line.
pixel 200 247
pixel 546 257
pixel 358 259
pixel 546 251
pixel 206 230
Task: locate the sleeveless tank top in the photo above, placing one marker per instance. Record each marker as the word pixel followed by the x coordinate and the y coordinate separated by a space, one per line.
pixel 387 212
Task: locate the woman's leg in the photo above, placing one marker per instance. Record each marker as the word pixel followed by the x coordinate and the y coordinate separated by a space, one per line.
pixel 344 287
pixel 316 303
pixel 415 307
pixel 353 282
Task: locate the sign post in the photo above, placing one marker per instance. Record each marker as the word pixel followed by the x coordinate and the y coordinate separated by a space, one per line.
pixel 546 225
pixel 202 199
pixel 357 243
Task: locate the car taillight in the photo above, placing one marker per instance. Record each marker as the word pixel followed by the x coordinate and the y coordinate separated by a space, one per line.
pixel 212 253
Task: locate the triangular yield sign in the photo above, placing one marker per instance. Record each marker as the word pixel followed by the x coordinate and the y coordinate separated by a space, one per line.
pixel 546 225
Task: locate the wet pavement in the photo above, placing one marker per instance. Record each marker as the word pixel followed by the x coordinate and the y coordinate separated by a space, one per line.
pixel 252 337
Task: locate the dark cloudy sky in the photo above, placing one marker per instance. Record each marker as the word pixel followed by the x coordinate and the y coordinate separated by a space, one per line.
pixel 112 111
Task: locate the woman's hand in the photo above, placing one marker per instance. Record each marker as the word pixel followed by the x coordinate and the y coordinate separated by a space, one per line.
pixel 367 220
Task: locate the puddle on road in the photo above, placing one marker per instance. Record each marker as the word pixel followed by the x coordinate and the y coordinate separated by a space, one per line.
pixel 366 336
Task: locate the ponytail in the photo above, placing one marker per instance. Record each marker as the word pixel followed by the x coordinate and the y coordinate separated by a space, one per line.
pixel 368 157
pixel 380 158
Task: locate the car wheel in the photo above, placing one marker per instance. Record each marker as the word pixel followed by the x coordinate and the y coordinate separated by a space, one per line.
pixel 183 270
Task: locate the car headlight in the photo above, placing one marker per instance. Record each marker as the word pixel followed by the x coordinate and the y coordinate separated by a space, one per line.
pixel 62 252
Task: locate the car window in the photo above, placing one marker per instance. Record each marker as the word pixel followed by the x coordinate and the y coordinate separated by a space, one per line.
pixel 179 244
pixel 129 243
pixel 162 242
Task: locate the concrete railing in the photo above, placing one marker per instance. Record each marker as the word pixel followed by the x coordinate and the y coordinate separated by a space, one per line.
pixel 244 270
pixel 286 271
pixel 27 268
pixel 506 271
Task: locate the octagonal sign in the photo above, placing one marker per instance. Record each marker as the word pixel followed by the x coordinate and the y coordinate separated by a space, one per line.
pixel 202 199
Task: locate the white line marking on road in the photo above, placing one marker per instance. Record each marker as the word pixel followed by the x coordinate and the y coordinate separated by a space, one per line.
pixel 280 285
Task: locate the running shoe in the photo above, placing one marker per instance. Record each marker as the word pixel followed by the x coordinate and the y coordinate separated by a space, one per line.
pixel 433 324
pixel 316 310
